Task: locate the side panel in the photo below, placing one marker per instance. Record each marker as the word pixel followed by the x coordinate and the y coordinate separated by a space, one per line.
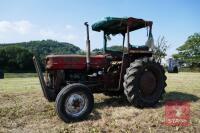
pixel 75 62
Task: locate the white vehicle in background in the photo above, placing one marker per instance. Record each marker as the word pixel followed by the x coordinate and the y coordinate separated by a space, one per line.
pixel 172 65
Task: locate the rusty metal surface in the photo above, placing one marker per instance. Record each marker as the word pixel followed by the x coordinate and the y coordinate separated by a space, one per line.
pixel 75 62
pixel 72 55
pixel 125 64
pixel 49 94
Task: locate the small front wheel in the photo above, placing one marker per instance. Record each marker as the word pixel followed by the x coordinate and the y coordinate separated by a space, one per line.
pixel 74 102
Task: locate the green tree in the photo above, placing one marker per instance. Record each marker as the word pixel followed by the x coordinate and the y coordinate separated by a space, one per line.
pixel 16 59
pixel 97 51
pixel 112 48
pixel 39 49
pixel 189 52
pixel 116 48
pixel 160 49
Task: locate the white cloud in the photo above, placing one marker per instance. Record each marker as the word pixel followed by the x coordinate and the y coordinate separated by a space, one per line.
pixel 70 37
pixel 47 33
pixel 24 30
pixel 5 26
pixel 60 36
pixel 22 27
pixel 68 27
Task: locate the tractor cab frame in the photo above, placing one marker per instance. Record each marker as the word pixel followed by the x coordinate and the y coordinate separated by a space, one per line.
pixel 122 26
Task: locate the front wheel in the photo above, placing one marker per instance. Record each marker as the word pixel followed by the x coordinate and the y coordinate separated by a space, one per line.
pixel 74 102
pixel 144 82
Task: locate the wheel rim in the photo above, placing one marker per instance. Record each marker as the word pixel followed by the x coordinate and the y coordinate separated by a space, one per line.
pixel 76 104
pixel 148 83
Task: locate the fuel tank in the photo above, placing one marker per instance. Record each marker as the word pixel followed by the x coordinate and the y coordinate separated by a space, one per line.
pixel 75 62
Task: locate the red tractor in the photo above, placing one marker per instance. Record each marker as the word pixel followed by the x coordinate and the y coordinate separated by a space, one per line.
pixel 71 80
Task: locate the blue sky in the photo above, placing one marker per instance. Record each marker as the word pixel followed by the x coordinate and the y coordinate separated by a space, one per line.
pixel 62 20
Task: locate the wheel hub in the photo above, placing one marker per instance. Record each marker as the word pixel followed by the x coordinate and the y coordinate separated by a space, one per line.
pixel 147 83
pixel 75 104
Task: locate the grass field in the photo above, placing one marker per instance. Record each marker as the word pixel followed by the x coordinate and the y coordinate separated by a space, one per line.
pixel 24 109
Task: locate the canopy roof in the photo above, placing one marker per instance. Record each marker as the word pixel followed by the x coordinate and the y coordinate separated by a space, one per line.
pixel 112 25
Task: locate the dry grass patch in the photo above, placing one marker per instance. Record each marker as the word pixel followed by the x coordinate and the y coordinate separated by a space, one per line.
pixel 24 109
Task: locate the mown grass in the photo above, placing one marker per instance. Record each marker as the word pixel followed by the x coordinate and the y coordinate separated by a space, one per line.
pixel 25 84
pixel 183 86
pixel 24 109
pixel 20 75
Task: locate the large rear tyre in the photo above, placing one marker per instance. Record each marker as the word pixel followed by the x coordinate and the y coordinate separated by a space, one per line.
pixel 144 83
pixel 74 102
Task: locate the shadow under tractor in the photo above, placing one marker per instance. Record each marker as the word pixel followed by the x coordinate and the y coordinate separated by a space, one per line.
pixel 71 80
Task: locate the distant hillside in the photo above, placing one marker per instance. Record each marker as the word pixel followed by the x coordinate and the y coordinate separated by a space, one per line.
pixel 11 54
pixel 112 48
pixel 45 47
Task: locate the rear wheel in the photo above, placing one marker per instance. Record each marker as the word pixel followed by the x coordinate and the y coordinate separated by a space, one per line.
pixel 144 83
pixel 74 102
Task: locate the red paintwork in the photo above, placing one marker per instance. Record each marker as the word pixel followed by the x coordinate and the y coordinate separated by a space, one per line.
pixel 74 62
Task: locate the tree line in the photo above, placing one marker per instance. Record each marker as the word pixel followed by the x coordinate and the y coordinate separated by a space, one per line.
pixel 189 52
pixel 17 57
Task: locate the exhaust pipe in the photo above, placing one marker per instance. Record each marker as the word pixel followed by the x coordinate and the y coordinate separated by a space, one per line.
pixel 87 46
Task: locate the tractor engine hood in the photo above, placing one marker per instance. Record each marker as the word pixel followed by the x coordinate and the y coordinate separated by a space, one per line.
pixel 75 62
